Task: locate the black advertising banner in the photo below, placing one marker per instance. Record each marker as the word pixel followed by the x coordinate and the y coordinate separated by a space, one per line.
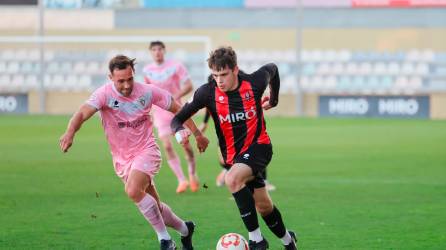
pixel 374 106
pixel 13 104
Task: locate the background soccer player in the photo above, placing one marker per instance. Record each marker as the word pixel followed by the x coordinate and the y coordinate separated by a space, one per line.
pixel 235 102
pixel 125 107
pixel 172 76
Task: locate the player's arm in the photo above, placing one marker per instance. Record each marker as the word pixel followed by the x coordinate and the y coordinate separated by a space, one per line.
pixel 204 125
pixel 190 108
pixel 186 88
pixel 202 141
pixel 75 123
pixel 273 80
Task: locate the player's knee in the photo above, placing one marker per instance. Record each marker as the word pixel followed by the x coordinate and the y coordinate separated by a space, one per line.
pixel 233 182
pixel 264 207
pixel 168 147
pixel 134 194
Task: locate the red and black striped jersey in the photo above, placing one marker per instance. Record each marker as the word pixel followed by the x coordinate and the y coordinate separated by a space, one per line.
pixel 237 114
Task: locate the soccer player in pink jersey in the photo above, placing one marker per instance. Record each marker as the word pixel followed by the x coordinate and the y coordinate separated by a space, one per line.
pixel 124 107
pixel 172 76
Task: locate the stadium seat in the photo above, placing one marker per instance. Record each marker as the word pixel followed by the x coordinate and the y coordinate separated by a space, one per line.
pixel 52 67
pixel 309 69
pixel 284 69
pixel 18 83
pixel 95 68
pixel 323 69
pixel 289 85
pixel 33 55
pixel 401 83
pixel 71 82
pixel 305 56
pixel 373 82
pixel 330 83
pixel 58 82
pixel 305 82
pixel 85 83
pixel 352 68
pixel 365 68
pixel 337 68
pixel 408 68
pixel 13 67
pixel 27 67
pixel 344 55
pixel 277 56
pixel 422 69
pixel 32 82
pixel 2 66
pixel 21 55
pixel 314 83
pixel 344 83
pixel 64 67
pixel 49 55
pixel 317 55
pixel 427 55
pixel 386 82
pixel 7 55
pixel 379 68
pixel 393 68
pixel 5 79
pixel 329 56
pixel 79 67
pixel 415 83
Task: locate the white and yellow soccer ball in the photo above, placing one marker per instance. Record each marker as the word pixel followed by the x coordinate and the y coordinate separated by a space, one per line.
pixel 232 241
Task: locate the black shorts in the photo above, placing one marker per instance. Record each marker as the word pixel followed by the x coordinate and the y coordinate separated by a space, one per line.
pixel 257 157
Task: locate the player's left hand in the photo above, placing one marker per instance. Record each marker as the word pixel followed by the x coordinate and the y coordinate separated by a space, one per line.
pixel 265 103
pixel 202 142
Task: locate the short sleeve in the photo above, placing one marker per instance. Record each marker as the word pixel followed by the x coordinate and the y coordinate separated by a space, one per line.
pixel 97 99
pixel 161 97
pixel 182 73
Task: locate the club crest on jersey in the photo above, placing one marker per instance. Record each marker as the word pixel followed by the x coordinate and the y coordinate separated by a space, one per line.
pixel 142 101
pixel 114 104
pixel 221 98
pixel 239 116
pixel 247 96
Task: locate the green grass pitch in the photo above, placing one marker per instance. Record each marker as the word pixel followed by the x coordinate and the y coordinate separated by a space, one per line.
pixel 341 184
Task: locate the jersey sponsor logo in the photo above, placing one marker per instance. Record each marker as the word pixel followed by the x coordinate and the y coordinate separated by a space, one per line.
pixel 239 116
pixel 132 124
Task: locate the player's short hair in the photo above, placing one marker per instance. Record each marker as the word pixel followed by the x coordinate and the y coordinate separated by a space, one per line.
pixel 157 43
pixel 121 62
pixel 221 58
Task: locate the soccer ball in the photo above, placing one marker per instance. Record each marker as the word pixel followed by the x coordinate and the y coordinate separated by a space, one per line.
pixel 232 241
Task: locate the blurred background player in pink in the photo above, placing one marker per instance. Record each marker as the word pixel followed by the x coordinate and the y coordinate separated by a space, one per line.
pixel 124 106
pixel 172 76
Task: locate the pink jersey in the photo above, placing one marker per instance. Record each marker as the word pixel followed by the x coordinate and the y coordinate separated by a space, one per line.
pixel 170 75
pixel 126 120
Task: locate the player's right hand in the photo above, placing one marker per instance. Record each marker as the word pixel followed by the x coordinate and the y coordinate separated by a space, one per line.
pixel 182 136
pixel 65 142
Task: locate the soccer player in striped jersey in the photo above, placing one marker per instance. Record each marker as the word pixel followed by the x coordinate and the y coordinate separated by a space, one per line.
pixel 234 100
